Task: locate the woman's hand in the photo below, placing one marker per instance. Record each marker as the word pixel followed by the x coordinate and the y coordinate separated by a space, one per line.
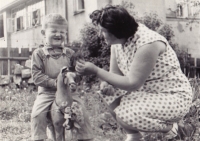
pixel 85 68
pixel 106 89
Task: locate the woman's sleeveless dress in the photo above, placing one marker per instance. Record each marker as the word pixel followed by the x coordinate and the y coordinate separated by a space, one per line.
pixel 166 95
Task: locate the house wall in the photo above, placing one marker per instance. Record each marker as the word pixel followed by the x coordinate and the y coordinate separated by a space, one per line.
pixel 186 35
pixel 77 21
pixel 103 3
pixel 27 38
pixel 55 6
pixel 146 6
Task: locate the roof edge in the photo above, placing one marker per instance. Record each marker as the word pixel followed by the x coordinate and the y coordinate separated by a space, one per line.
pixel 10 5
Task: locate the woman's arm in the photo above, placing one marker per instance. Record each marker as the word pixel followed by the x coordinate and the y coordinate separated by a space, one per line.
pixel 113 62
pixel 141 67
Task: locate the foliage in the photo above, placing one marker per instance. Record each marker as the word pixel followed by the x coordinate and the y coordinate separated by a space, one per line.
pixel 93 46
pixel 93 49
pixel 15 124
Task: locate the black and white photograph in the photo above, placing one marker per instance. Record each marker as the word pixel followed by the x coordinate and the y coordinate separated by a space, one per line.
pixel 99 70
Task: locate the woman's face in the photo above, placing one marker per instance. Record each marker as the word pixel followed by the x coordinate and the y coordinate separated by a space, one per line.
pixel 109 37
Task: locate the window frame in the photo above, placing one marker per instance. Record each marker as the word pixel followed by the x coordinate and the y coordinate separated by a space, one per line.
pixel 20 24
pixel 78 10
pixel 30 13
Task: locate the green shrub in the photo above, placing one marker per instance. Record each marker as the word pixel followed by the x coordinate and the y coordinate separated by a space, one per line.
pixel 93 49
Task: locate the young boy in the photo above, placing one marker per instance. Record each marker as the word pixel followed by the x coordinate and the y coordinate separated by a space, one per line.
pixel 46 64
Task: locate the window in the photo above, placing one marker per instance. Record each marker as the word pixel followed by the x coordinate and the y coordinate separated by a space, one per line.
pixel 20 25
pixel 19 15
pixel 1 27
pixel 36 17
pixel 36 13
pixel 28 15
pixel 79 5
pixel 188 8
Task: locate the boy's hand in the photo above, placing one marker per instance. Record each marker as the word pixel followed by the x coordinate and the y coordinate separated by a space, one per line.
pixel 106 89
pixel 71 80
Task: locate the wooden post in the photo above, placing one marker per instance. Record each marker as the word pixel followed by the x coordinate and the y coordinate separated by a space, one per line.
pixel 8 48
pixel 195 67
pixel 19 51
pixel 30 51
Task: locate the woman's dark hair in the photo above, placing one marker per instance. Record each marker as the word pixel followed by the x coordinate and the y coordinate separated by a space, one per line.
pixel 116 20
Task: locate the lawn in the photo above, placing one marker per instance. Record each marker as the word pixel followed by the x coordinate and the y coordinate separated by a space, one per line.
pixel 16 105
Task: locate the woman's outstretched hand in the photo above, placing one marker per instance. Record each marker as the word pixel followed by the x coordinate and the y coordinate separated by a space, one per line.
pixel 85 68
pixel 106 89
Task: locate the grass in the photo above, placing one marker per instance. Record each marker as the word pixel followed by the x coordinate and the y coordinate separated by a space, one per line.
pixel 16 105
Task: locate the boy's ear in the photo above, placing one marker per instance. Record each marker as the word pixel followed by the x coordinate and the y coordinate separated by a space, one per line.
pixel 43 32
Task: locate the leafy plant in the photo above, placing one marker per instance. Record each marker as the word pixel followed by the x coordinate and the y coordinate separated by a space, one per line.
pixel 16 105
pixel 93 49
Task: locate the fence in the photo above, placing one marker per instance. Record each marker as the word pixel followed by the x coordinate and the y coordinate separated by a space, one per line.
pixel 11 56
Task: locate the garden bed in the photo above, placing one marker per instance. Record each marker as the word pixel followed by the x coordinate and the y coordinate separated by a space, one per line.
pixel 16 105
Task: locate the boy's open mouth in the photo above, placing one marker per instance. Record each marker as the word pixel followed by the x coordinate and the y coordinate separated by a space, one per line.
pixel 57 38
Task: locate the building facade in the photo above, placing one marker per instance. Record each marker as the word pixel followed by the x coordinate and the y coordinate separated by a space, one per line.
pixel 20 20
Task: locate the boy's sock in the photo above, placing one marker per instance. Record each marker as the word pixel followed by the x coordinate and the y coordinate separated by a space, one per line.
pixel 173 132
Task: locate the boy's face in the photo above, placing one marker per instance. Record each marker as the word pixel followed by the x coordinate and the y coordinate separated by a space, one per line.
pixel 55 34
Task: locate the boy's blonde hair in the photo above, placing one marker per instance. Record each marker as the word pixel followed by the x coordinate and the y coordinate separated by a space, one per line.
pixel 54 18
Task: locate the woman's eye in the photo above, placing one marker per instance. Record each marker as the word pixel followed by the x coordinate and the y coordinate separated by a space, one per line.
pixel 54 31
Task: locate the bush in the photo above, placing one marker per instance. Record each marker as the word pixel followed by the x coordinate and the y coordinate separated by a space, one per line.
pixel 94 49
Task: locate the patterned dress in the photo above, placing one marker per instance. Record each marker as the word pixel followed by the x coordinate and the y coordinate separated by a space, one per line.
pixel 166 94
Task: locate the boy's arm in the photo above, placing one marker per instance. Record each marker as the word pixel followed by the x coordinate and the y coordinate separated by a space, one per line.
pixel 39 78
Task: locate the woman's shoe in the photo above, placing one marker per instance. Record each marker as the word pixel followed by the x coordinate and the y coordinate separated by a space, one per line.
pixel 173 132
pixel 133 137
